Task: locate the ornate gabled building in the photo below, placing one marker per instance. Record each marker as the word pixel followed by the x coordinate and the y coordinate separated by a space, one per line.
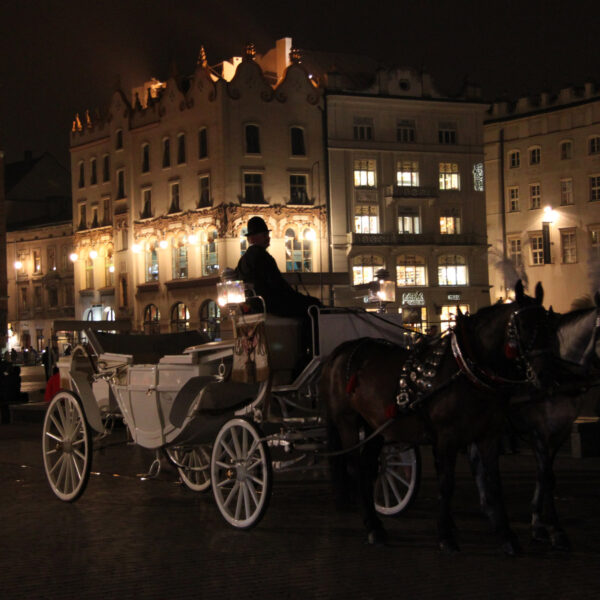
pixel 407 192
pixel 163 185
pixel 542 157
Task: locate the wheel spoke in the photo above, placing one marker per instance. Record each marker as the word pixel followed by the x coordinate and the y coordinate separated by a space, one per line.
pixel 386 491
pixel 225 482
pixel 245 443
pixel 399 478
pixel 76 466
pixel 236 443
pixel 58 462
pixel 393 487
pixel 58 426
pixel 80 455
pixel 54 437
pixel 254 464
pixel 252 491
pixel 247 506
pixel 239 503
pixel 256 480
pixel 78 442
pixel 227 449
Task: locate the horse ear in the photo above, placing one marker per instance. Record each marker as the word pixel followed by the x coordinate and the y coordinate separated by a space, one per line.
pixel 539 293
pixel 519 291
pixel 597 298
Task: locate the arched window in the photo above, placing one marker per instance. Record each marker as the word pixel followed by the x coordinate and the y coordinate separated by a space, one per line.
pixel 210 263
pixel 89 273
pixel 364 268
pixel 210 319
pixel 410 270
pixel 109 269
pixel 109 313
pixel 299 250
pixel 152 261
pixel 151 319
pixel 180 259
pixel 119 139
pixel 452 270
pixel 180 317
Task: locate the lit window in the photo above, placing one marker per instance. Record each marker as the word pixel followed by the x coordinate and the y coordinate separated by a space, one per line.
pixel 568 246
pixel 594 145
pixel 297 140
pixel 448 315
pixel 566 150
pixel 210 319
pixel 537 249
pixel 447 133
pixel 298 251
pixel 253 188
pixel 405 131
pixel 203 143
pixel 181 149
pixel 364 173
pixel 210 263
pixel 513 199
pixel 594 188
pixel 452 270
pixel 450 222
pixel 179 259
pixel 298 189
pixel 203 190
pixel 252 139
pixel 180 317
pixel 410 270
pixel 566 192
pixel 449 176
pixel 151 319
pixel 409 220
pixel 366 218
pixel 407 173
pixel 535 196
pixel 37 262
pixel 535 156
pixel 152 261
pixel 364 268
pixel 514 159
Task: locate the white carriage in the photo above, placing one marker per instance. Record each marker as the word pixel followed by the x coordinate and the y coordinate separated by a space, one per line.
pixel 187 400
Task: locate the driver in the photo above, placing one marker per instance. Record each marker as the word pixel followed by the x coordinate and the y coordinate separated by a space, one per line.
pixel 259 269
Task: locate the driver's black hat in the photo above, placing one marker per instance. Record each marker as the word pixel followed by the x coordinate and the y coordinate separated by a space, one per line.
pixel 257 225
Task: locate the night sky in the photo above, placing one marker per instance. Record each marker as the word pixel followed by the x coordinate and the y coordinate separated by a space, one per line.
pixel 61 57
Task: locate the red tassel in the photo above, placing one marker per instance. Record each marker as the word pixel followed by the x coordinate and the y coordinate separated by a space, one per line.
pixel 510 350
pixel 391 411
pixel 351 385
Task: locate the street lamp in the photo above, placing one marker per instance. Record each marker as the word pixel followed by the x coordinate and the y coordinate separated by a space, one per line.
pixel 382 290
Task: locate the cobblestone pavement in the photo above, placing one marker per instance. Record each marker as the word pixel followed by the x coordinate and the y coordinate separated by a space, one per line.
pixel 154 539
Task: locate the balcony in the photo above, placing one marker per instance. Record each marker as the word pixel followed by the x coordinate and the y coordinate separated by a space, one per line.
pixel 412 239
pixel 404 191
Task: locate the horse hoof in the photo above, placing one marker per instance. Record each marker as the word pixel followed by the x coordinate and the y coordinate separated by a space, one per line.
pixel 561 542
pixel 540 534
pixel 377 537
pixel 449 547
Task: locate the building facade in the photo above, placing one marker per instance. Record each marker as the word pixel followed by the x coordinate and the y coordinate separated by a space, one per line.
pixel 542 164
pixel 164 184
pixel 407 195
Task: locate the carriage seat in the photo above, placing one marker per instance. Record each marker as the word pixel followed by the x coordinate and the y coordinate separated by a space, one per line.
pixel 145 349
pixel 285 347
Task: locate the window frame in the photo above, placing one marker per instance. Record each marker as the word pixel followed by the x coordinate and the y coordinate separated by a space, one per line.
pixel 305 249
pixel 181 149
pixel 202 143
pixel 514 159
pixel 593 145
pixel 416 276
pixel 166 153
pixel 302 199
pixel 374 266
pixel 204 177
pixel 449 177
pixel 145 158
pixel 566 149
pixel 460 273
pixel 406 131
pixel 535 196
pixel 535 155
pixel 252 145
pixel 407 173
pixel 568 245
pixel 299 144
pixel 513 198
pixel 566 195
pixel 364 176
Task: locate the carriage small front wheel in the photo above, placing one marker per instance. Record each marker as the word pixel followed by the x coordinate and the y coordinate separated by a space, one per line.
pixel 66 446
pixel 193 465
pixel 241 474
pixel 398 481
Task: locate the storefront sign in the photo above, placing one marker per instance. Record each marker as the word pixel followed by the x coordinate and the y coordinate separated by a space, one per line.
pixel 413 299
pixel 454 297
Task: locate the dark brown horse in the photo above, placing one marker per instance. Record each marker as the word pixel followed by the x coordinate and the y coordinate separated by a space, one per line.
pixel 546 419
pixel 450 392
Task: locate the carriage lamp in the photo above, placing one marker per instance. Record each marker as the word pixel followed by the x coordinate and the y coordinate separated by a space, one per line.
pixel 18 265
pixel 382 289
pixel 230 292
pixel 93 254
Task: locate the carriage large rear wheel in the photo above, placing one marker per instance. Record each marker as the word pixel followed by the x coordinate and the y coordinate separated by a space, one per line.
pixel 241 474
pixel 66 446
pixel 398 481
pixel 195 466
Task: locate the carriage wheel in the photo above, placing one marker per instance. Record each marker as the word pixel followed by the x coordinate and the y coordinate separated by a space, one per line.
pixel 66 446
pixel 398 480
pixel 195 472
pixel 241 474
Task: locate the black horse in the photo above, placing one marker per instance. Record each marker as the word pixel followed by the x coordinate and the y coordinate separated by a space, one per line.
pixel 451 391
pixel 546 419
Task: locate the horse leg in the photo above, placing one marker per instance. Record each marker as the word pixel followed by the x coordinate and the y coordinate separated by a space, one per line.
pixel 483 458
pixel 445 464
pixel 544 518
pixel 344 486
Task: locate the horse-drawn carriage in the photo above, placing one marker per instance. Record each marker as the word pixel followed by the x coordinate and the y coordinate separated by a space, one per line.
pixel 227 413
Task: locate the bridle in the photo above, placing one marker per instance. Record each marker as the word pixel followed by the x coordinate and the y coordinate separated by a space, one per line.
pixel 515 350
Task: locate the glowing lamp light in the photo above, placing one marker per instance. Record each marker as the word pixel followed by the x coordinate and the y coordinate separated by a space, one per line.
pixel 73 256
pixel 111 269
pixel 230 292
pixel 93 254
pixel 163 244
pixel 18 265
pixel 310 235
pixel 136 248
pixel 549 215
pixel 193 238
pixel 387 291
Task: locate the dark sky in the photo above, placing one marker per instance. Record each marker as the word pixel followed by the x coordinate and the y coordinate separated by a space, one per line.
pixel 63 56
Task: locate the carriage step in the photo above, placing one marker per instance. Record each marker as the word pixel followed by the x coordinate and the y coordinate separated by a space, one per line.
pixel 585 437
